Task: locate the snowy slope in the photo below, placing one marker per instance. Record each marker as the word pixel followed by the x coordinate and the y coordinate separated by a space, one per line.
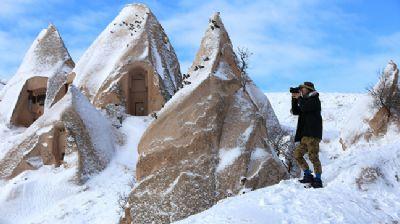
pixel 47 196
pixel 344 199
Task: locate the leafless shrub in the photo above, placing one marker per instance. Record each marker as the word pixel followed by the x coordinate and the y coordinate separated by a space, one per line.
pixel 283 143
pixel 386 94
pixel 243 61
pixel 132 182
pixel 367 176
pixel 122 201
pixel 123 198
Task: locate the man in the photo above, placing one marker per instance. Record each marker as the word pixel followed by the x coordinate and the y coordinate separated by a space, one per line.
pixel 307 106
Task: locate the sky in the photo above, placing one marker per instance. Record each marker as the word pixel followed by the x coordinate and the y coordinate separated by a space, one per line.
pixel 340 45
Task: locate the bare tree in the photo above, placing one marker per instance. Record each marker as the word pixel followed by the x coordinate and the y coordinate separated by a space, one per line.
pixel 386 94
pixel 243 61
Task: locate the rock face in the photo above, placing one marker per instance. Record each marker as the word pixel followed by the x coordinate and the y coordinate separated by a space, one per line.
pixel 209 141
pixel 370 121
pixel 390 80
pixel 72 132
pixel 41 80
pixel 131 64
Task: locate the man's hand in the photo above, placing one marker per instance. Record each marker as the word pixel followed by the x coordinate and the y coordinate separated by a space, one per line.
pixel 295 95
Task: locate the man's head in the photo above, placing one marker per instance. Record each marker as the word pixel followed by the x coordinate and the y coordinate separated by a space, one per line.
pixel 306 88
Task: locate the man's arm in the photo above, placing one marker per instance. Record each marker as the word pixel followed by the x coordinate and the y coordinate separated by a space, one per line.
pixel 295 106
pixel 311 104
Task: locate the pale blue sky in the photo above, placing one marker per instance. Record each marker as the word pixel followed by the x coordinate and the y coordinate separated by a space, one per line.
pixel 339 45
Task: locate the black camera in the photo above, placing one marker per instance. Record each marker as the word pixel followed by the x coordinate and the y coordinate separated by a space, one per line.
pixel 294 90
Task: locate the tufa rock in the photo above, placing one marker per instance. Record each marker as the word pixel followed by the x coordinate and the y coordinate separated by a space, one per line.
pixel 41 80
pixel 72 133
pixel 207 139
pixel 133 69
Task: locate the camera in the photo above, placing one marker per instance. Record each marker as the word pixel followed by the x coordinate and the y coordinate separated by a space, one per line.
pixel 294 90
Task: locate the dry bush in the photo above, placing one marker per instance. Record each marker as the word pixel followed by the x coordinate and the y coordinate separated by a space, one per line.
pixel 368 176
pixel 243 62
pixel 386 95
pixel 122 201
pixel 283 143
pixel 123 198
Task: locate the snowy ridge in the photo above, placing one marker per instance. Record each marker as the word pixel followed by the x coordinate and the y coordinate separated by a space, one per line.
pixel 47 57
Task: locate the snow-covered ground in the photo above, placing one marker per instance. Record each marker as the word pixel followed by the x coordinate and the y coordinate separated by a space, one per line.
pixel 344 199
pixel 47 196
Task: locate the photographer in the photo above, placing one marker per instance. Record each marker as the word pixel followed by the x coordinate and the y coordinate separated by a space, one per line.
pixel 306 104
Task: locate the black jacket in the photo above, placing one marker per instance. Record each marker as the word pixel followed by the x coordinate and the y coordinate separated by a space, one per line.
pixel 310 120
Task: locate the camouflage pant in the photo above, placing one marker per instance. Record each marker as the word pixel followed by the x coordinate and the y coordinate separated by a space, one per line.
pixel 308 145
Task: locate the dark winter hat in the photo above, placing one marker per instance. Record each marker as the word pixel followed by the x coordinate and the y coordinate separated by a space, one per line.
pixel 308 85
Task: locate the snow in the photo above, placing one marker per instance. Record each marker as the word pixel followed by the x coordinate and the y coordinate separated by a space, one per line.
pixel 263 104
pixel 222 71
pixel 227 157
pixel 343 199
pixel 96 125
pixel 259 153
pixel 48 195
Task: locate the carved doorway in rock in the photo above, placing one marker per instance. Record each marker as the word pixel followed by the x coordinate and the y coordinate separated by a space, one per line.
pixel 137 94
pixel 59 145
pixel 30 104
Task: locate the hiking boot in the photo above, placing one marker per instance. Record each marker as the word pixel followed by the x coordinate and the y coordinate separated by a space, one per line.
pixel 317 183
pixel 307 178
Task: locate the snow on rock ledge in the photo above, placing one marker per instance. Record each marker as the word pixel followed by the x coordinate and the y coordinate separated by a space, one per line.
pixel 209 141
pixel 71 133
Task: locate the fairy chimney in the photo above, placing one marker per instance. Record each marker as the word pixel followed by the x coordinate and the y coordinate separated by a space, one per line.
pixel 208 142
pixel 72 132
pixel 41 80
pixel 131 64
